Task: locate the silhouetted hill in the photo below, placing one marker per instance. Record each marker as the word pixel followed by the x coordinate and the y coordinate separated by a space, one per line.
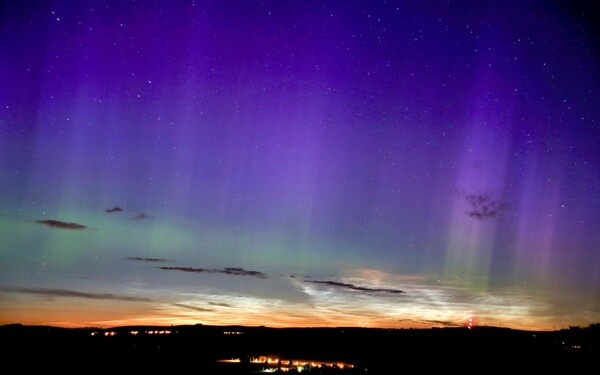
pixel 371 350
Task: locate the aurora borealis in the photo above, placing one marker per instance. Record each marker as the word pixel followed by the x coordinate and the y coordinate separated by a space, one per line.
pixel 307 163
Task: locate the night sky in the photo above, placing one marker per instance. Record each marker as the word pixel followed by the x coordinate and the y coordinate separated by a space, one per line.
pixel 300 163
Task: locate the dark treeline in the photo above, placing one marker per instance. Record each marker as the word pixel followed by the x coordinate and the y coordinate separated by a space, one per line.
pixel 197 347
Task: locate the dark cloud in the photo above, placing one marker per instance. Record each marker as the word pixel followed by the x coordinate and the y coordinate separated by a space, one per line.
pixel 433 323
pixel 114 209
pixel 61 224
pixel 146 259
pixel 337 284
pixel 142 216
pixel 192 307
pixel 242 272
pixel 219 304
pixel 443 323
pixel 295 275
pixel 74 294
pixel 483 207
pixel 236 271
pixel 186 269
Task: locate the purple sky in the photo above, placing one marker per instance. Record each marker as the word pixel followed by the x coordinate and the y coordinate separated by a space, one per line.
pixel 366 163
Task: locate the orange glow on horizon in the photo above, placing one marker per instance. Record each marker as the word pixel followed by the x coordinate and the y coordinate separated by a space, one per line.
pixel 78 321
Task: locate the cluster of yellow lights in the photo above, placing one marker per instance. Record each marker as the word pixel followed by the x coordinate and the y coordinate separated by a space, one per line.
pixel 233 333
pixel 286 364
pixel 113 333
pixel 158 332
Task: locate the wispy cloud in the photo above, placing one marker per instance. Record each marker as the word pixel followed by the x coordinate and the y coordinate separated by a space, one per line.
pixel 74 294
pixel 235 271
pixel 483 206
pixel 114 209
pixel 337 284
pixel 151 260
pixel 142 216
pixel 221 304
pixel 186 269
pixel 431 323
pixel 242 272
pixel 190 307
pixel 61 224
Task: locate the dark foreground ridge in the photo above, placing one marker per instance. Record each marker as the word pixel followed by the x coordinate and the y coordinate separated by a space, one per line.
pixel 248 350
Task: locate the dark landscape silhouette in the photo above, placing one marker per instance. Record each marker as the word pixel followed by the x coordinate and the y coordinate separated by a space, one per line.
pixel 245 350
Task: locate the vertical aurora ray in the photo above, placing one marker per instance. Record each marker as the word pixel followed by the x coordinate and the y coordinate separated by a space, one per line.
pixel 477 204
